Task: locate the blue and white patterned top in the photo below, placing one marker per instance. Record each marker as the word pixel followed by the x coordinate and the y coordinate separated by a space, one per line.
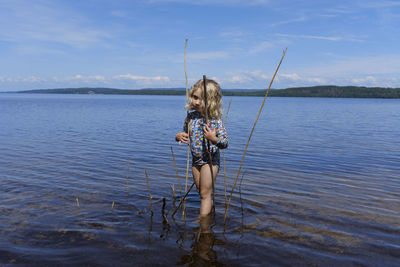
pixel 198 144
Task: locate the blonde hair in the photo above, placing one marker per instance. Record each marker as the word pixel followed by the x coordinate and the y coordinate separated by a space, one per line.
pixel 214 98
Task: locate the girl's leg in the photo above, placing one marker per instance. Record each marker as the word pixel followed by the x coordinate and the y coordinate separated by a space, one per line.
pixel 196 177
pixel 206 188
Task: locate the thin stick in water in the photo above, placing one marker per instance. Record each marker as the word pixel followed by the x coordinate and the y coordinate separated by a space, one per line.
pixel 77 202
pixel 163 211
pixel 127 178
pixel 176 169
pixel 251 133
pixel 187 118
pixel 223 152
pixel 148 187
pixel 173 191
pixel 182 200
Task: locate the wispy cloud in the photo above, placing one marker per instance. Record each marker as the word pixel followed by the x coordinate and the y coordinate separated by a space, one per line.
pixel 208 55
pixel 214 2
pixel 340 10
pixel 23 23
pixel 119 13
pixel 379 4
pixel 300 19
pixel 320 37
pixel 261 47
pixel 234 35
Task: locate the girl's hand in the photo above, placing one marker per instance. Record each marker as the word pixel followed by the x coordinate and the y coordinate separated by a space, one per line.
pixel 210 135
pixel 182 137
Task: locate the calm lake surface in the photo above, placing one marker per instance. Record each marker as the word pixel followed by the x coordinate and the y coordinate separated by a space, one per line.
pixel 320 184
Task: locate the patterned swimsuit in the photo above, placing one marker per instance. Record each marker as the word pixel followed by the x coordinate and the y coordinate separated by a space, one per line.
pixel 198 144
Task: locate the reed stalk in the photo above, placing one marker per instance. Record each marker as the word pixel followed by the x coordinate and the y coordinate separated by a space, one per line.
pixel 251 133
pixel 77 202
pixel 182 200
pixel 187 117
pixel 163 212
pixel 127 178
pixel 223 152
pixel 173 191
pixel 176 169
pixel 148 188
pixel 112 206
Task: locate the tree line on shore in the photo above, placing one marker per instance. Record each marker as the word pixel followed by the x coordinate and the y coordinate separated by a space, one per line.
pixel 314 91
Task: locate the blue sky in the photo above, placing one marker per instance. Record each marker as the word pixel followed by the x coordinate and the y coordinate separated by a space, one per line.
pixel 140 44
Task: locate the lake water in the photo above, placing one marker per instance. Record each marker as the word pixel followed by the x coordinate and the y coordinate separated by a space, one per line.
pixel 319 185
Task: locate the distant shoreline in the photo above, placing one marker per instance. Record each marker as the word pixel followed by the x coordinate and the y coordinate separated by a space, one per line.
pixel 314 91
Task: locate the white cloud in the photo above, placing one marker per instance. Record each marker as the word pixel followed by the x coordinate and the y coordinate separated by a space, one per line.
pixel 368 79
pixel 294 77
pixel 366 71
pixel 20 79
pixel 124 80
pixel 291 76
pixel 247 78
pixel 141 78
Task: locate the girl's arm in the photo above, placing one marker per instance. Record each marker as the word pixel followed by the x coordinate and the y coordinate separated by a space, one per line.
pixel 221 135
pixel 218 135
pixel 182 137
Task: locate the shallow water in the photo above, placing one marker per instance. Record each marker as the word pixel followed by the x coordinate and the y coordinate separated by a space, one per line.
pixel 319 185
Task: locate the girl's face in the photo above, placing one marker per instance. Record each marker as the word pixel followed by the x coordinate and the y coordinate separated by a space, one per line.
pixel 197 100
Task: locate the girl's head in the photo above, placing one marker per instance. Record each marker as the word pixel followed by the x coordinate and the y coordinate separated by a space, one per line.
pixel 214 98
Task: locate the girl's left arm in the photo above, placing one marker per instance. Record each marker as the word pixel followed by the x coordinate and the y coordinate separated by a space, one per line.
pixel 221 135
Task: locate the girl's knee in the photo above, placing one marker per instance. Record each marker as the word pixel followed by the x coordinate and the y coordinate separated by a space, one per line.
pixel 205 194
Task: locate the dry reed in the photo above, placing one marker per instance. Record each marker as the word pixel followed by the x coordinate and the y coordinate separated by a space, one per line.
pixel 223 152
pixel 182 200
pixel 163 212
pixel 187 115
pixel 148 188
pixel 173 192
pixel 251 133
pixel 176 169
pixel 112 206
pixel 77 202
pixel 127 179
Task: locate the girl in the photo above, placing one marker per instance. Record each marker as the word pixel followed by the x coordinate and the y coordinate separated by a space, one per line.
pixel 204 137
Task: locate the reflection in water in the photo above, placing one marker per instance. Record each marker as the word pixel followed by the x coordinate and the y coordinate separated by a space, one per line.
pixel 203 253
